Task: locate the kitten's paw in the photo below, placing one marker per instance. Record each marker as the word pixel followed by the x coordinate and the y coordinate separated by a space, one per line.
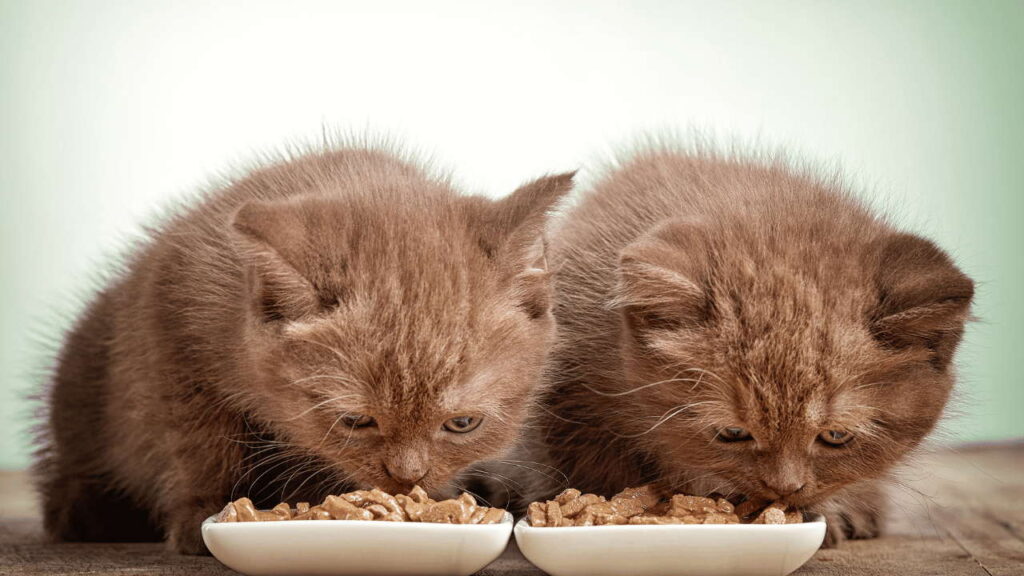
pixel 185 536
pixel 833 534
pixel 851 524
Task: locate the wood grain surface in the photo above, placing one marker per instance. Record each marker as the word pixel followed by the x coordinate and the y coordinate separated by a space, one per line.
pixel 956 512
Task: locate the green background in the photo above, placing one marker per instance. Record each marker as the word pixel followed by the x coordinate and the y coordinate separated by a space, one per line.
pixel 110 109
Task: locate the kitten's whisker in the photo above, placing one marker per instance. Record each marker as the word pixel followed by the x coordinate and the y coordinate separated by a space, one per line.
pixel 343 482
pixel 309 476
pixel 495 475
pixel 333 424
pixel 545 409
pixel 259 463
pixel 922 499
pixel 265 472
pixel 638 388
pixel 257 453
pixel 347 439
pixel 257 442
pixel 249 470
pixel 504 486
pixel 460 486
pixel 343 379
pixel 522 464
pixel 303 464
pixel 671 413
pixel 705 372
pixel 715 490
pixel 315 406
pixel 701 371
pixel 689 483
pixel 273 457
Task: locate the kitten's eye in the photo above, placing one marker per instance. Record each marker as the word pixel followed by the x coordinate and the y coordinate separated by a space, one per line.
pixel 462 424
pixel 733 434
pixel 836 437
pixel 358 420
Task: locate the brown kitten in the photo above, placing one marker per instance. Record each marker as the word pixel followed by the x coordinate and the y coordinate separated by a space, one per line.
pixel 341 320
pixel 727 326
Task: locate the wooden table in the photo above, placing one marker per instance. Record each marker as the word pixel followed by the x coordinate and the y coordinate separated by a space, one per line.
pixel 956 512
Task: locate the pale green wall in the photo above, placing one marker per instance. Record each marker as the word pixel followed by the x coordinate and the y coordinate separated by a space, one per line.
pixel 109 108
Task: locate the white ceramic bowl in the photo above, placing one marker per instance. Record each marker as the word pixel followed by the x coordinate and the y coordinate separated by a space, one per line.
pixel 339 547
pixel 664 550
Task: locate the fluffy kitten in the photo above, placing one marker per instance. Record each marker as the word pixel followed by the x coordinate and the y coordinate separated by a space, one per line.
pixel 728 326
pixel 341 320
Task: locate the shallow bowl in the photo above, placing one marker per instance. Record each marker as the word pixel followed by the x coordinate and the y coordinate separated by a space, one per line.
pixel 672 550
pixel 341 547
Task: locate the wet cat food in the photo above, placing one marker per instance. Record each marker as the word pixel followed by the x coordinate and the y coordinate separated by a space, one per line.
pixel 644 505
pixel 373 504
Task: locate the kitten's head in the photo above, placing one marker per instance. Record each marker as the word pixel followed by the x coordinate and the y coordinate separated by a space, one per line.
pixel 398 334
pixel 785 376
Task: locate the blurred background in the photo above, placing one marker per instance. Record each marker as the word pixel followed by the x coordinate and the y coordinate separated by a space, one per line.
pixel 110 110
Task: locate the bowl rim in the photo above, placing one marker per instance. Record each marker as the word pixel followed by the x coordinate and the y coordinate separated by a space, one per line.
pixel 507 520
pixel 522 525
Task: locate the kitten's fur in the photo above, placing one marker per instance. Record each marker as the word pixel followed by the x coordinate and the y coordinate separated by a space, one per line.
pixel 696 292
pixel 222 361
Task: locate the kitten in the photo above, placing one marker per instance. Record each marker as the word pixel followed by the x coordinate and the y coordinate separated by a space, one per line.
pixel 746 329
pixel 342 320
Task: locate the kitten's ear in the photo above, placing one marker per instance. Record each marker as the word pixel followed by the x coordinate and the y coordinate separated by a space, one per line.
pixel 271 240
pixel 515 224
pixel 662 278
pixel 514 238
pixel 924 299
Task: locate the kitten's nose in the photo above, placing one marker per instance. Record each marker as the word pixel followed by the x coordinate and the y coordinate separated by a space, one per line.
pixel 407 475
pixel 785 487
